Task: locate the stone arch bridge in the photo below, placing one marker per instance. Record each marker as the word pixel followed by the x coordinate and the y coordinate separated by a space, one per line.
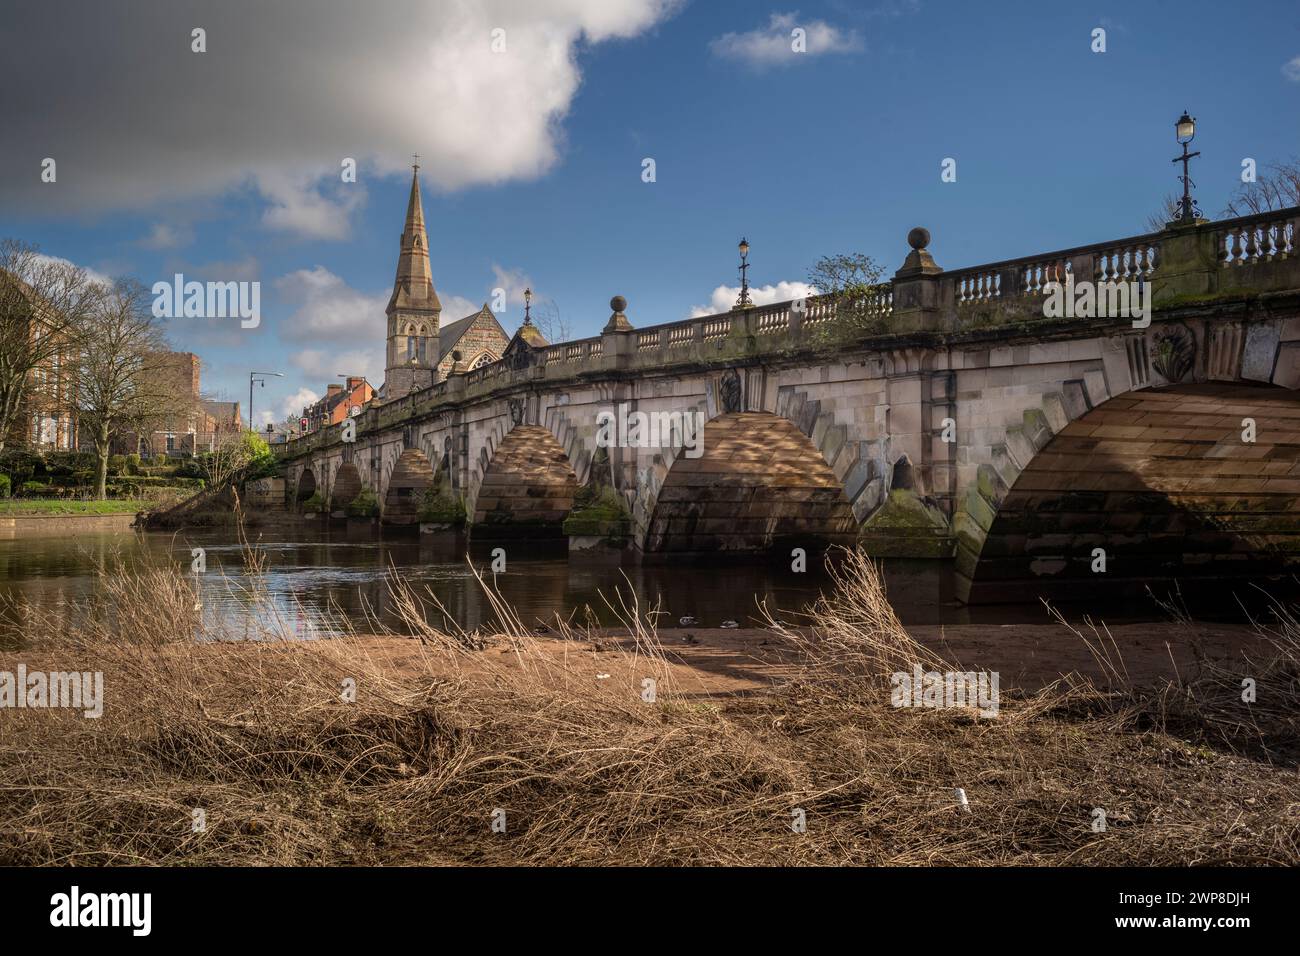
pixel 946 414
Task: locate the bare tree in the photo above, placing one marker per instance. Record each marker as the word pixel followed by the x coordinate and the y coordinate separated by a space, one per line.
pixel 230 456
pixel 1169 209
pixel 45 304
pixel 169 403
pixel 122 368
pixel 551 322
pixel 1279 188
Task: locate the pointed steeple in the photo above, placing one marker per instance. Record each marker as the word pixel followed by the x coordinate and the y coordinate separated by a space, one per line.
pixel 413 309
pixel 413 288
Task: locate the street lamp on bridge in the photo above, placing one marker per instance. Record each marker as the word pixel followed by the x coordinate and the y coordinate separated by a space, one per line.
pixel 744 301
pixel 1185 132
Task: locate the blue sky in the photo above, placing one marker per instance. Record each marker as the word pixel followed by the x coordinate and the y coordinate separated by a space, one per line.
pixel 534 174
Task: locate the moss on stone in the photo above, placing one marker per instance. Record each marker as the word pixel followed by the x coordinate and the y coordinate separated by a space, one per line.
pixel 903 510
pixel 904 526
pixel 1236 294
pixel 599 511
pixel 987 481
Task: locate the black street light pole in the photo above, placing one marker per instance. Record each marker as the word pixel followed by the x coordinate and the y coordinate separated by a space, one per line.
pixel 1185 132
pixel 744 301
pixel 252 377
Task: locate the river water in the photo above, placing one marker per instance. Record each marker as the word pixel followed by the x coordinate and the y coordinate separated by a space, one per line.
pixel 310 575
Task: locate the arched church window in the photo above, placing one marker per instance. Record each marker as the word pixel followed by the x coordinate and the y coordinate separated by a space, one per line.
pixel 487 358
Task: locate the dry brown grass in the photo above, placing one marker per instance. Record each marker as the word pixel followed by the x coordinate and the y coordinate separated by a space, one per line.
pixel 256 734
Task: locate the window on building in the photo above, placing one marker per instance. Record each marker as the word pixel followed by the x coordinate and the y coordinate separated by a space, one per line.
pixel 487 358
pixel 171 442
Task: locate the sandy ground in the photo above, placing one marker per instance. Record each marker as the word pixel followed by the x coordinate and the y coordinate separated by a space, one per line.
pixel 717 661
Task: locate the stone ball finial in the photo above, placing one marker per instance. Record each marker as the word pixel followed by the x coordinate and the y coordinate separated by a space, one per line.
pixel 918 238
pixel 618 321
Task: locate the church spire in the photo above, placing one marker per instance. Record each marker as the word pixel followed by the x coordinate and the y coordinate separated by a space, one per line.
pixel 413 310
pixel 414 284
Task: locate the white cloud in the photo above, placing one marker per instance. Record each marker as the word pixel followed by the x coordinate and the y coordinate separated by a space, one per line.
pixel 456 307
pixel 164 235
pixel 285 92
pixel 300 207
pixel 724 296
pixel 1291 69
pixel 773 45
pixel 514 282
pixel 329 310
pixel 92 275
pixel 292 406
pixel 332 365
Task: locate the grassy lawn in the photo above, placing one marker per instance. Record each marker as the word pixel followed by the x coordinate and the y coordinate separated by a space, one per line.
pixel 68 506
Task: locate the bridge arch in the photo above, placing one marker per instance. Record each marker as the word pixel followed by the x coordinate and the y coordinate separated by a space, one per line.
pixel 410 478
pixel 759 484
pixel 346 485
pixel 306 486
pixel 1162 480
pixel 527 488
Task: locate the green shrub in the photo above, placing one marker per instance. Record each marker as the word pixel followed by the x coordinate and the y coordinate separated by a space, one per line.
pixel 439 506
pixel 20 465
pixel 364 505
pixel 314 503
pixel 262 462
pixel 34 488
pixel 5 486
pixel 68 462
pixel 133 464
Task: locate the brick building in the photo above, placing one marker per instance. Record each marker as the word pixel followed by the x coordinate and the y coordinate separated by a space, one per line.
pixel 198 425
pixel 47 416
pixel 338 403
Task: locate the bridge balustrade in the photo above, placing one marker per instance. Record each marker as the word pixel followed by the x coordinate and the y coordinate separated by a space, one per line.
pixel 1255 253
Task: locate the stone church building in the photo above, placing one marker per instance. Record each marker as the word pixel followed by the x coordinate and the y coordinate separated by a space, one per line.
pixel 421 349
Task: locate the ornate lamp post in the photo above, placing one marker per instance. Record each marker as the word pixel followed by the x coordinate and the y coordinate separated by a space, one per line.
pixel 1185 132
pixel 744 301
pixel 528 306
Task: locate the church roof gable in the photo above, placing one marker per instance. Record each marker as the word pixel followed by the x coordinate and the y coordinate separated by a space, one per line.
pixel 453 332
